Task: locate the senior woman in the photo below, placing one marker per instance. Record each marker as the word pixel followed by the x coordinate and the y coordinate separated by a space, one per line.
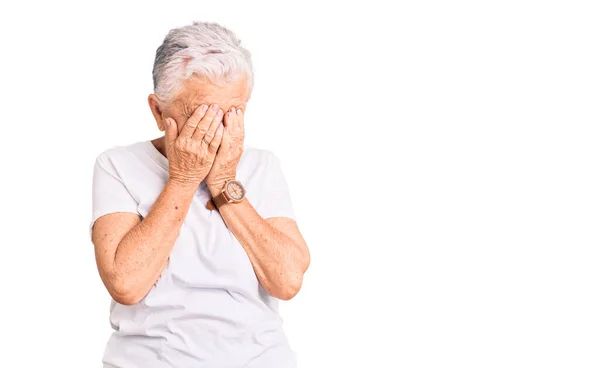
pixel 194 232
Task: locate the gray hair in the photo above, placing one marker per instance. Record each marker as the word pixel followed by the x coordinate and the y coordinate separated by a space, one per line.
pixel 205 49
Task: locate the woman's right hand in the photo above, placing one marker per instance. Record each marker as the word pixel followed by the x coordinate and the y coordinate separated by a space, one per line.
pixel 191 152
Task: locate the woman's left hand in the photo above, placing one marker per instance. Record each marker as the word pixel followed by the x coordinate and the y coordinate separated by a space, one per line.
pixel 230 151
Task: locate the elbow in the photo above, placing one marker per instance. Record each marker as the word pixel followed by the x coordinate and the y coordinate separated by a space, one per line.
pixel 290 288
pixel 125 293
pixel 305 260
pixel 126 299
pixel 293 282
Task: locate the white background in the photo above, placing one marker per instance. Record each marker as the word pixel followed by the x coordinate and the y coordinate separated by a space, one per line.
pixel 443 160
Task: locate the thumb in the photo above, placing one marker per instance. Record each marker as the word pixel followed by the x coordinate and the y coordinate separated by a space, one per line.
pixel 170 131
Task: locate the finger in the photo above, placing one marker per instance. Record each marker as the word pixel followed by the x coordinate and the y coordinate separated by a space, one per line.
pixel 229 117
pixel 203 127
pixel 192 122
pixel 216 142
pixel 170 131
pixel 204 124
pixel 240 120
pixel 210 133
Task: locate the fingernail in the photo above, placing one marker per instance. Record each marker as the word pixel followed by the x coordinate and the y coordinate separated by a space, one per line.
pixel 229 114
pixel 215 107
pixel 239 111
pixel 168 122
pixel 204 107
pixel 220 112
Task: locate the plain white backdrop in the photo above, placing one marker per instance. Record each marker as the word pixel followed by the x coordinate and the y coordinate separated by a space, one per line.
pixel 443 161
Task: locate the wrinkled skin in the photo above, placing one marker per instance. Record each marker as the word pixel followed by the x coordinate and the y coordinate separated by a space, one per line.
pixel 191 157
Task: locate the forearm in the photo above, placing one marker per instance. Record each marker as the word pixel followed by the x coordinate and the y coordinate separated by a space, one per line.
pixel 278 260
pixel 143 252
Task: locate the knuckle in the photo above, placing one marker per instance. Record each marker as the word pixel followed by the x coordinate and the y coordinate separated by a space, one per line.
pixel 192 122
pixel 202 129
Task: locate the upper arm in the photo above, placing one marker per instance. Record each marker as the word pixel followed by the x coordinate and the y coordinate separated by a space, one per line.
pixel 114 212
pixel 287 226
pixel 290 228
pixel 274 203
pixel 107 233
pixel 270 195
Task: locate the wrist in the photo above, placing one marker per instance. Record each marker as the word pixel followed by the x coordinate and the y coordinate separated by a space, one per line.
pixel 182 185
pixel 217 187
pixel 232 192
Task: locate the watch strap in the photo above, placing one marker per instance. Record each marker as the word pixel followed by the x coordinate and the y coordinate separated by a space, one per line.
pixel 220 199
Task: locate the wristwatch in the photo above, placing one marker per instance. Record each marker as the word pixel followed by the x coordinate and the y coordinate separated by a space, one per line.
pixel 233 192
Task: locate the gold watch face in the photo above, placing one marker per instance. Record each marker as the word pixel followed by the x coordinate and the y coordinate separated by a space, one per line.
pixel 235 190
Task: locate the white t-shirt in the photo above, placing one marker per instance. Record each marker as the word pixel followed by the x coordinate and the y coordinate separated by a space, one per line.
pixel 207 309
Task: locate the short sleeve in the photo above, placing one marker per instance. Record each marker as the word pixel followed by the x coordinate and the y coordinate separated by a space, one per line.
pixel 109 193
pixel 275 200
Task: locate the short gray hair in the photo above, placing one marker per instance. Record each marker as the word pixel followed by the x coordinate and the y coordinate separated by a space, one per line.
pixel 205 49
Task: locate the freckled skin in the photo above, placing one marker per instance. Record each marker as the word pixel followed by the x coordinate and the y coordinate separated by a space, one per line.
pixel 131 253
pixel 274 246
